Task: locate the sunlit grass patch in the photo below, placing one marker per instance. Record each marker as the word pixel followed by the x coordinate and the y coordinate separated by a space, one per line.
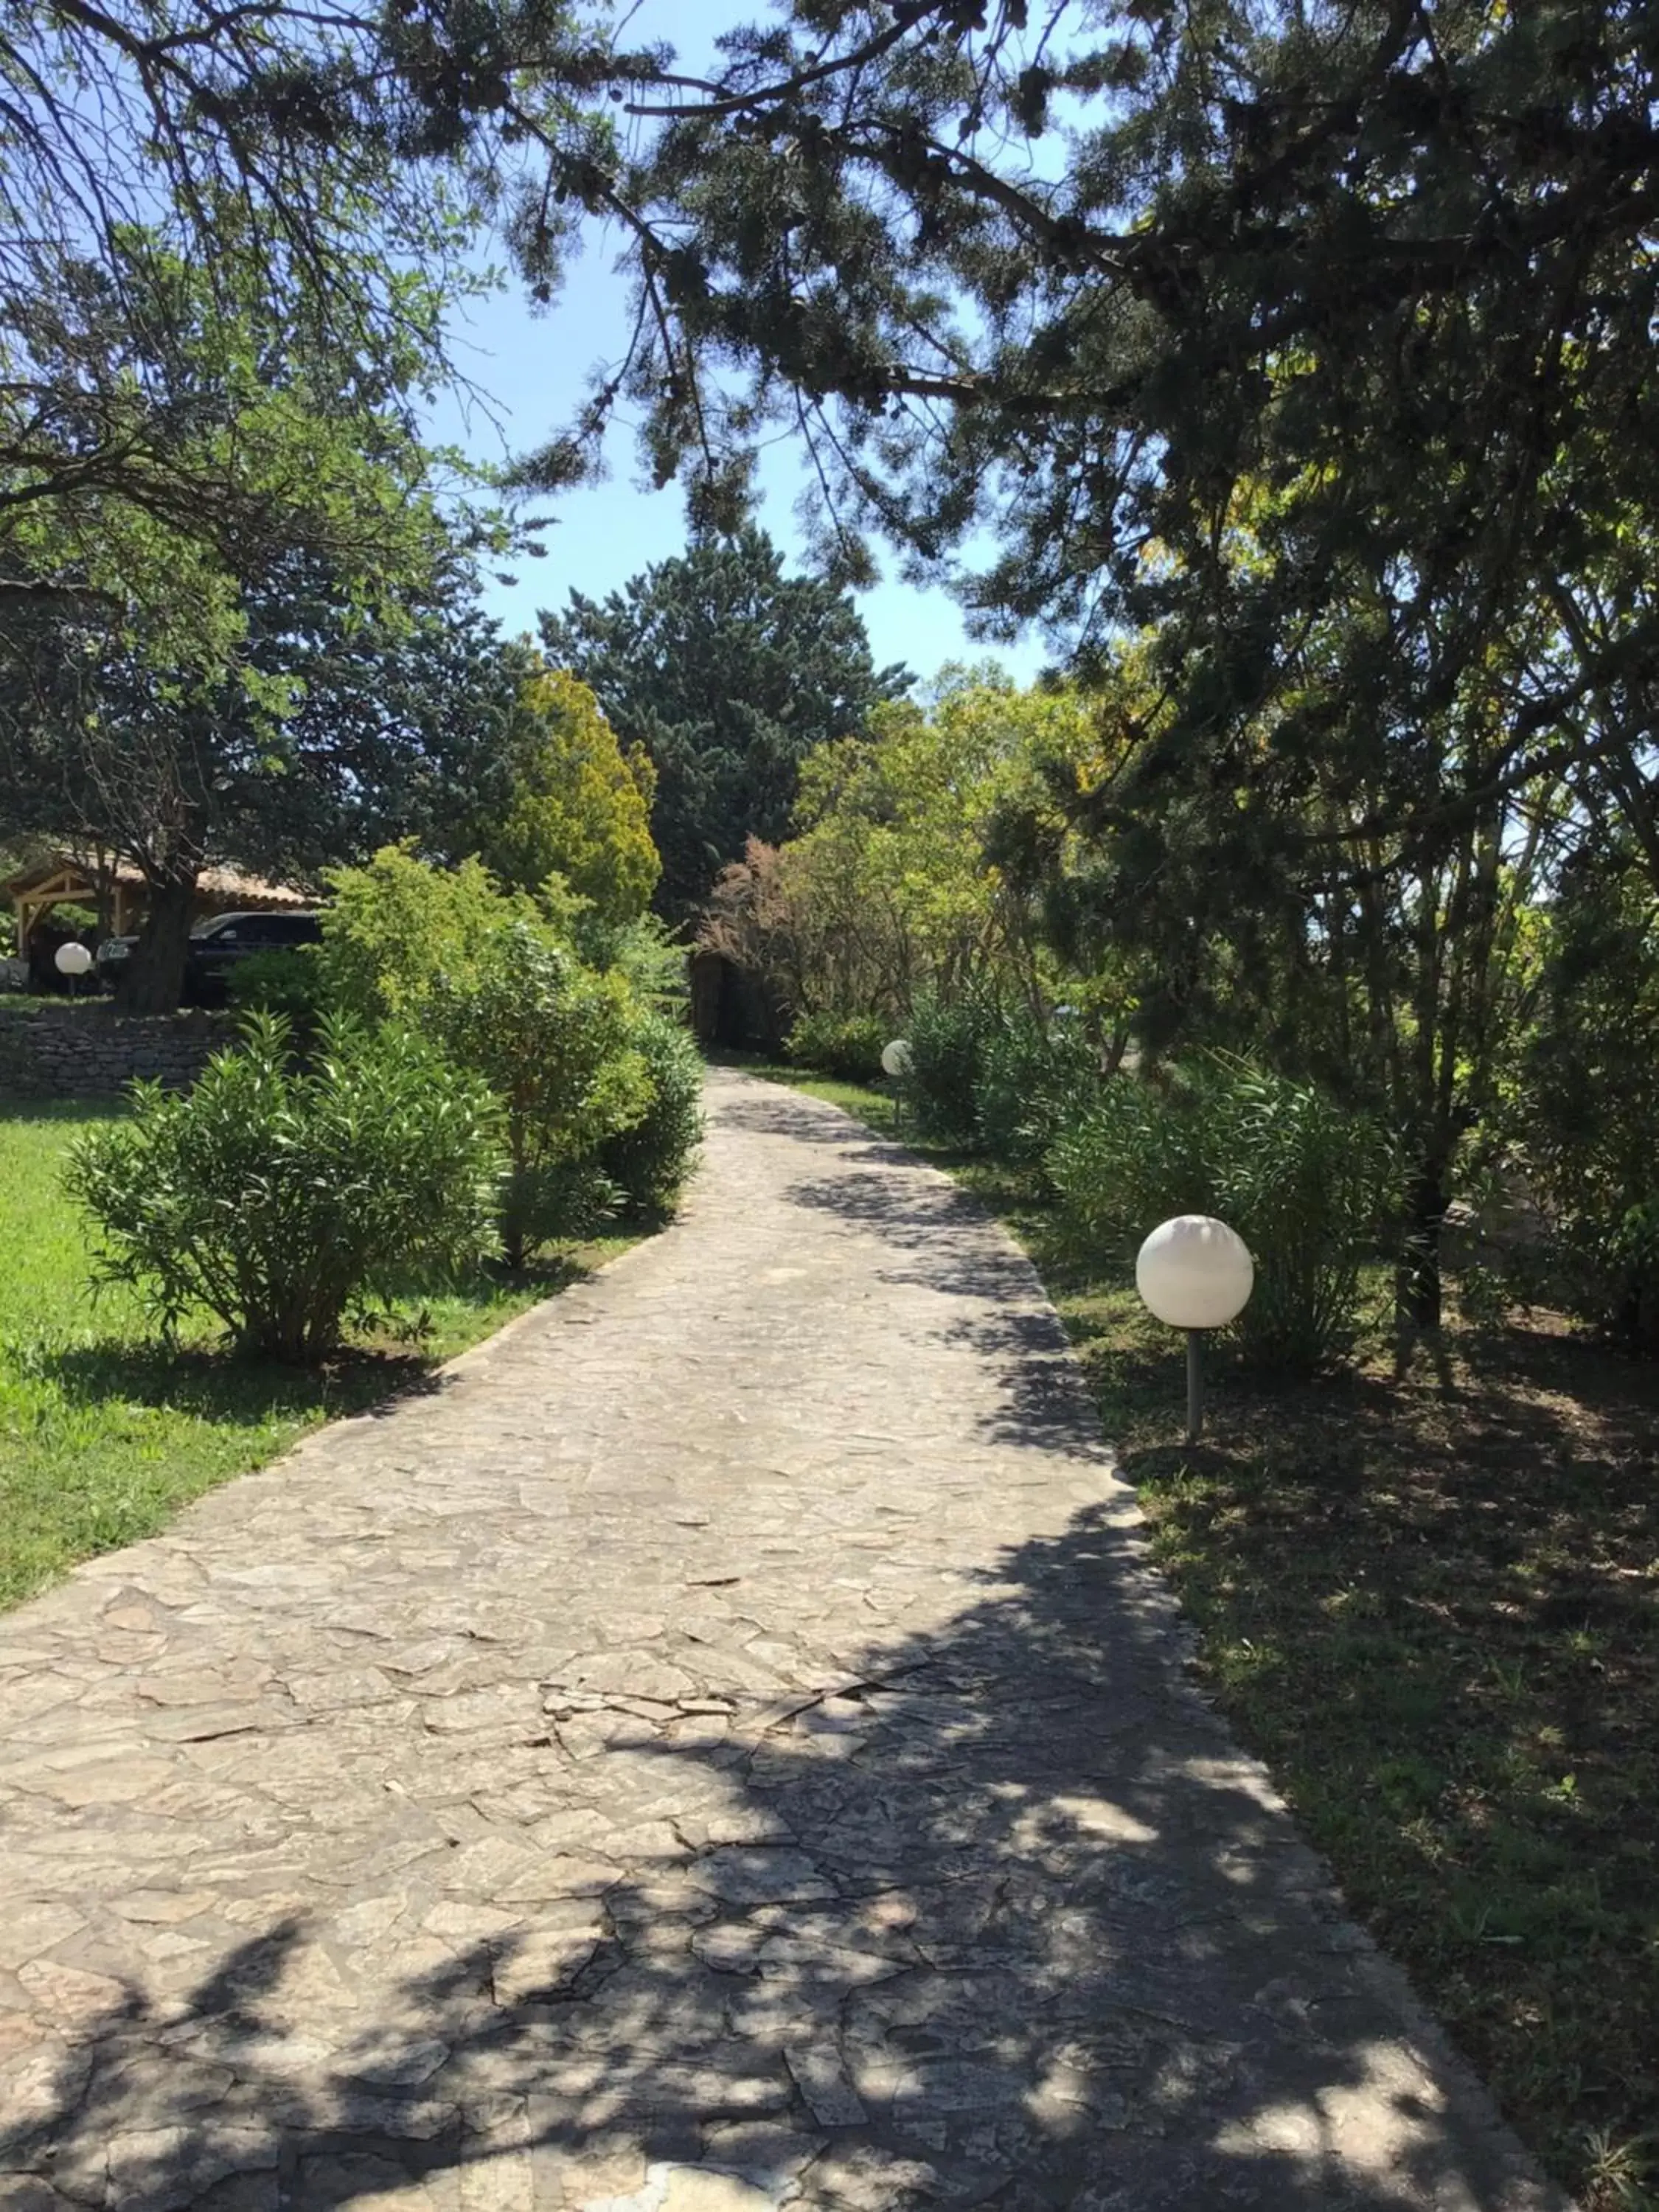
pixel 104 1431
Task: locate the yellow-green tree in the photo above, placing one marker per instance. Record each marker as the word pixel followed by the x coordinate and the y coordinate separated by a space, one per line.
pixel 890 877
pixel 396 926
pixel 579 806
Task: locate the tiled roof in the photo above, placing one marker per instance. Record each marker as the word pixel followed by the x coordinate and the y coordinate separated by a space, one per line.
pixel 230 885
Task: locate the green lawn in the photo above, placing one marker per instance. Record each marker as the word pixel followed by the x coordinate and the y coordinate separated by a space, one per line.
pixel 103 1433
pixel 1433 1608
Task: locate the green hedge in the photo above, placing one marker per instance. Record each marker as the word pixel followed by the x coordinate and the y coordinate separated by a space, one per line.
pixel 1307 1184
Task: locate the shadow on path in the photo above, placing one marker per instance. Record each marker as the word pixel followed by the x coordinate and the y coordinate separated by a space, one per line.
pixel 985 1911
pixel 950 1244
pixel 1000 1923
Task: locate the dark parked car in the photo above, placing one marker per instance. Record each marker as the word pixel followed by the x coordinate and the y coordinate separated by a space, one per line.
pixel 216 947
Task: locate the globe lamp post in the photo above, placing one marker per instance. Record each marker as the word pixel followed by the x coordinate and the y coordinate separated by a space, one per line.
pixel 897 1058
pixel 73 961
pixel 1194 1273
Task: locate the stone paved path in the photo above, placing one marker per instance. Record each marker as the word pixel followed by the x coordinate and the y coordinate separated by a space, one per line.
pixel 721 1750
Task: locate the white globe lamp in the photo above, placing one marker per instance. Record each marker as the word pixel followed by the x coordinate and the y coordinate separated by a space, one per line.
pixel 896 1058
pixel 1195 1274
pixel 72 959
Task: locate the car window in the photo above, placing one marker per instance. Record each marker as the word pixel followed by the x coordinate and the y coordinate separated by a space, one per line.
pixel 248 929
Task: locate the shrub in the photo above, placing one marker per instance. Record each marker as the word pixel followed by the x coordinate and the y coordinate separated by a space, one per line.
pixel 1136 1156
pixel 555 1043
pixel 650 953
pixel 1032 1082
pixel 992 1077
pixel 399 926
pixel 286 981
pixel 848 1045
pixel 285 1200
pixel 948 1039
pixel 1306 1183
pixel 648 1163
pixel 494 979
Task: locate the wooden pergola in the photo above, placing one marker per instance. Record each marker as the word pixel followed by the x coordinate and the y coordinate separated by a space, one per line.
pixel 116 891
pixel 60 882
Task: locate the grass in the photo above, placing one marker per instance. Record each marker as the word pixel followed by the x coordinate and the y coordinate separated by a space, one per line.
pixel 1432 1606
pixel 877 1108
pixel 104 1433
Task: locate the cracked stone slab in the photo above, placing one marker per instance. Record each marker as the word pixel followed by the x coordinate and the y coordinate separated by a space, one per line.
pixel 688 2189
pixel 722 1749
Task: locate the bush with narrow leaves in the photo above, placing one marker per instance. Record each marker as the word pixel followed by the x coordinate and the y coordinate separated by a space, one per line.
pixel 1311 1186
pixel 948 1039
pixel 1306 1182
pixel 1033 1079
pixel 1138 1155
pixel 648 1163
pixel 285 1200
pixel 556 1044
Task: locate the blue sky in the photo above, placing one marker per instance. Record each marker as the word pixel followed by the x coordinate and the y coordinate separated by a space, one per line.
pixel 534 368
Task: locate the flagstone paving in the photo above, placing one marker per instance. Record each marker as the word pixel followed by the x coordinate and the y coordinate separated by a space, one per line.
pixel 721 1749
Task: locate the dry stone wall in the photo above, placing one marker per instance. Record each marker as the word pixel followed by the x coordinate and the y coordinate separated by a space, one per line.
pixel 93 1052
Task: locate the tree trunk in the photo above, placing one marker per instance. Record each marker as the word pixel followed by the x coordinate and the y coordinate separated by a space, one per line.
pixel 154 982
pixel 1417 1281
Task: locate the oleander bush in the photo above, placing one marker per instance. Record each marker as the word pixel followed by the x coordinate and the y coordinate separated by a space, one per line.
pixel 1033 1079
pixel 648 1162
pixel 286 1198
pixel 1308 1183
pixel 986 1075
pixel 949 1039
pixel 1138 1154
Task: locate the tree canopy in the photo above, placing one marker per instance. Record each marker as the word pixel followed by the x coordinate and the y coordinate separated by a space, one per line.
pixel 1221 326
pixel 211 339
pixel 257 658
pixel 340 730
pixel 725 673
pixel 1091 277
pixel 893 825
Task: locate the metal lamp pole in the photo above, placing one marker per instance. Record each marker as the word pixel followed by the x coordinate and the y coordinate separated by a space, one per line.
pixel 1194 1385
